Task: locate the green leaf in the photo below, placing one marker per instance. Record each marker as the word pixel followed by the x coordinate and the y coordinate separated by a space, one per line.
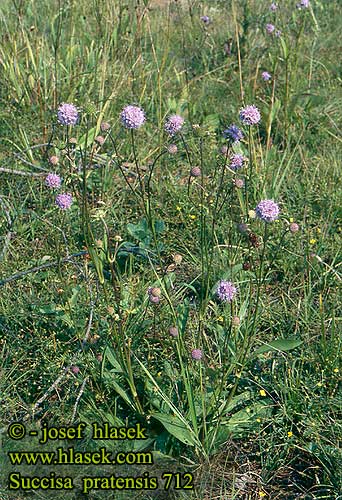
pixel 175 427
pixel 108 354
pixel 140 231
pixel 183 313
pixel 87 138
pixel 279 345
pixel 159 226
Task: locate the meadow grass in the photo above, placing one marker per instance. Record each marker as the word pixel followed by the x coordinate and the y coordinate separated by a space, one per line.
pixel 258 415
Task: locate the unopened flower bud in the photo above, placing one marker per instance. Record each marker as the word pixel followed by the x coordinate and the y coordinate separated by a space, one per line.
pixel 100 139
pixel 104 126
pixel 239 183
pixel 235 321
pixel 195 172
pixel 172 149
pixel 54 160
pixel 173 331
pixel 294 227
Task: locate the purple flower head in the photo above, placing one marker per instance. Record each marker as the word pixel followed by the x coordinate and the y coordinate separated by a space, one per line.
pixel 270 28
pixel 226 291
pixel 233 133
pixel 53 181
pixel 266 76
pixel 250 115
pixel 173 124
pixel 196 354
pixel 205 19
pixel 236 161
pixel 64 201
pixel 278 33
pixel 75 369
pixel 67 114
pixel 132 117
pixel 273 7
pixel 303 4
pixel 267 210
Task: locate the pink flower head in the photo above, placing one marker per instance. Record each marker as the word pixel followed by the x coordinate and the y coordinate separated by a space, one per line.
pixel 266 76
pixel 67 114
pixel 64 201
pixel 250 115
pixel 173 124
pixel 226 291
pixel 267 210
pixel 196 354
pixel 53 181
pixel 132 117
pixel 236 161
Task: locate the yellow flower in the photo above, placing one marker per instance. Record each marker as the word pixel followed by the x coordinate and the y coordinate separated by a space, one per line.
pixel 318 230
pixel 262 494
pixel 220 319
pixel 290 434
pixel 251 214
pixel 291 219
pixel 193 217
pixel 178 208
pixel 312 241
pixel 262 392
pixel 258 420
pixel 336 370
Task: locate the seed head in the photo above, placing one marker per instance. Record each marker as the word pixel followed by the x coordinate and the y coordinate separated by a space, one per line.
pixel 246 265
pixel 177 258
